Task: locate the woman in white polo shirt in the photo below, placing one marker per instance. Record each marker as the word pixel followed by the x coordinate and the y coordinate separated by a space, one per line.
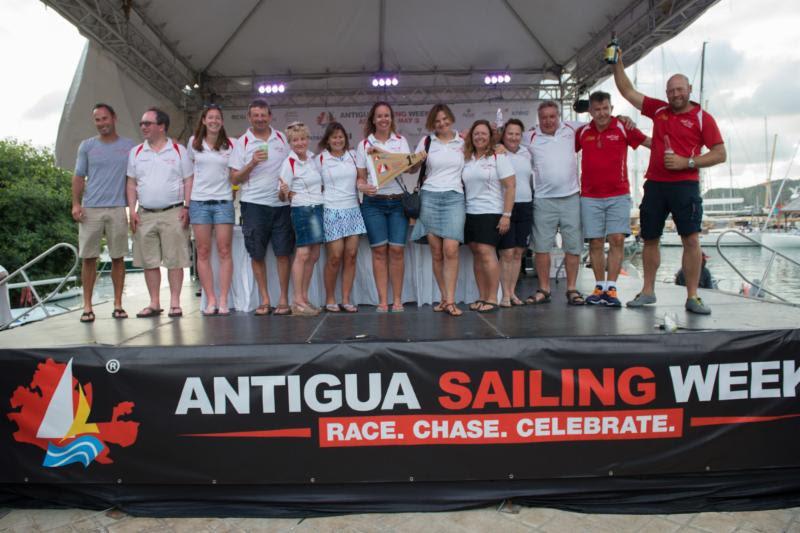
pixel 513 244
pixel 442 195
pixel 342 220
pixel 489 188
pixel 211 206
pixel 301 182
pixel 382 209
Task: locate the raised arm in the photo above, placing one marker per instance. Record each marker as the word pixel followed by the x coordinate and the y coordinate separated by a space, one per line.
pixel 625 86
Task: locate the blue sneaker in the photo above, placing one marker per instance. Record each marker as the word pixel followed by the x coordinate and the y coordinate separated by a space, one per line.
pixel 610 298
pixel 596 298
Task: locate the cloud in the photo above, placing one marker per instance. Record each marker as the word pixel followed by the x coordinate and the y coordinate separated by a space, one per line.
pixel 50 104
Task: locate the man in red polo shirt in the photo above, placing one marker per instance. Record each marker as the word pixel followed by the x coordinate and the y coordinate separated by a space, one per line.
pixel 680 130
pixel 605 192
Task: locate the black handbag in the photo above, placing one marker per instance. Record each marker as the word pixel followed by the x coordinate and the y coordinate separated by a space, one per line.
pixel 412 204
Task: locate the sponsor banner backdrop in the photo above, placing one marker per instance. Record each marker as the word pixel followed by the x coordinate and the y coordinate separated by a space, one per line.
pixel 410 119
pixel 426 411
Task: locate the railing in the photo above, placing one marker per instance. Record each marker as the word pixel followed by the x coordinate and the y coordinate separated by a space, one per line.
pixel 31 285
pixel 759 286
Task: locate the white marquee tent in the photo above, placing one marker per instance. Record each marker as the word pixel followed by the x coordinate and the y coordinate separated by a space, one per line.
pixel 181 53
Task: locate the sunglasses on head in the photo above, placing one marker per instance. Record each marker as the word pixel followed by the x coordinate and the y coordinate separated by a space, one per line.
pixel 296 124
pixel 213 106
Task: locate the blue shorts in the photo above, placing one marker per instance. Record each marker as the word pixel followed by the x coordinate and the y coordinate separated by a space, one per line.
pixel 211 212
pixel 262 224
pixel 308 225
pixel 385 221
pixel 601 217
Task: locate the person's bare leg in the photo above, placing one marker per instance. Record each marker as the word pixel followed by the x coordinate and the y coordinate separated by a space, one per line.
pixel 380 270
pixel 598 258
pixel 616 251
pixel 260 273
pixel 152 278
pixel 118 280
pixel 571 262
pixel 508 267
pixel 651 259
pixel 491 270
pixel 477 270
pixel 349 266
pixel 202 239
pixel 308 271
pixel 284 268
pixel 175 280
pixel 450 252
pixel 224 234
pixel 519 253
pixel 334 252
pixel 691 262
pixel 396 272
pixel 542 261
pixel 88 277
pixel 298 270
pixel 437 260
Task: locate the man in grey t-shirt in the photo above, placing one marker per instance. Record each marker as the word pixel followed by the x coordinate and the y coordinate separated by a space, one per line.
pixel 98 205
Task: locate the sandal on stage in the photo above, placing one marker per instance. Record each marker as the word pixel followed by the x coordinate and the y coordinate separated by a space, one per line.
pixel 382 308
pixel 574 297
pixel 506 304
pixel 304 310
pixel 149 312
pixel 398 308
pixel 350 308
pixel 477 304
pixel 175 314
pixel 119 313
pixel 333 308
pixel 492 307
pixel 440 307
pixel 282 310
pixel 214 311
pixel 516 301
pixel 533 300
pixel 87 316
pixel 452 309
pixel 224 311
pixel 262 310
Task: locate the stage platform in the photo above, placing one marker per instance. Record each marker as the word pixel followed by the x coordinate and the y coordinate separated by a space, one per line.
pixel 582 408
pixel 556 319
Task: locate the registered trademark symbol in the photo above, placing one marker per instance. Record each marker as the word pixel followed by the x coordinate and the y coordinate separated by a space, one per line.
pixel 112 366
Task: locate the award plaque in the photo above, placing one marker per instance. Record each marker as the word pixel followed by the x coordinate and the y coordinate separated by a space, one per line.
pixel 388 166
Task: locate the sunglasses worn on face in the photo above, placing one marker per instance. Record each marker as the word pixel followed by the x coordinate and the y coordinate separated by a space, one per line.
pixel 146 123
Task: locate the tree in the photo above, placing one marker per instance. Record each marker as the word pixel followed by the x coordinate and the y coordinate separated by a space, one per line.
pixel 35 203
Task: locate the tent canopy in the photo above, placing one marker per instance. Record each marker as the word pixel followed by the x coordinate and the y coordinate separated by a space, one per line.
pixel 326 53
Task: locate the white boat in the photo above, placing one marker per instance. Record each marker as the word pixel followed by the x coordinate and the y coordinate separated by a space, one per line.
pixel 780 239
pixel 709 240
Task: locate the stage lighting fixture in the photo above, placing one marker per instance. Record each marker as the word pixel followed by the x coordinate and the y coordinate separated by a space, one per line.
pixel 497 78
pixel 384 80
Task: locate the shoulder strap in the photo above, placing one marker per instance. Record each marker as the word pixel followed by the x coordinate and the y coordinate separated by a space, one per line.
pixel 423 169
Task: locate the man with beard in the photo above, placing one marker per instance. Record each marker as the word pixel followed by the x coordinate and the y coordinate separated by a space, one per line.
pixel 680 130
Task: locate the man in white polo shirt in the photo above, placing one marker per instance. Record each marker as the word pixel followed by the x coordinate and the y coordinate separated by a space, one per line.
pixel 255 164
pixel 157 171
pixel 556 204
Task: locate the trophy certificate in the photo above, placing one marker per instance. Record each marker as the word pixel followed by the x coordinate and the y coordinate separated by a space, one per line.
pixel 388 165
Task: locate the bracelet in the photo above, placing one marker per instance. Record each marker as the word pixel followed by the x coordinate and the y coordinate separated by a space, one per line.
pixel 506 214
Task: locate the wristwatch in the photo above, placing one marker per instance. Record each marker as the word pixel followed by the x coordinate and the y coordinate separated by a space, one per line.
pixel 507 214
pixel 691 164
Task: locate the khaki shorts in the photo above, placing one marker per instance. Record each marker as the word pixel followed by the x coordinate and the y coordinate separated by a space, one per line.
pixel 111 222
pixel 161 240
pixel 557 214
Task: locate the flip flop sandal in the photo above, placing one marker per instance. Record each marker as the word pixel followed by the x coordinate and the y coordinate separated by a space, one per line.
pixel 532 300
pixel 508 305
pixel 474 306
pixel 516 302
pixel 175 314
pixel 213 312
pixel 575 298
pixel 382 309
pixel 398 308
pixel 493 307
pixel 282 310
pixel 149 312
pixel 440 307
pixel 350 308
pixel 119 313
pixel 453 310
pixel 333 308
pixel 262 310
pixel 227 312
pixel 87 316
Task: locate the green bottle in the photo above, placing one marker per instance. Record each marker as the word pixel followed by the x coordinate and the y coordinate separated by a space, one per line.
pixel 611 55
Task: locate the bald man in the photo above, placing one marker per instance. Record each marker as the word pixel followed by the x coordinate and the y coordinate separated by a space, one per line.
pixel 680 130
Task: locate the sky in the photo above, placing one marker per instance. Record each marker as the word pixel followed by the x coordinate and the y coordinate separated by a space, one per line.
pixel 752 73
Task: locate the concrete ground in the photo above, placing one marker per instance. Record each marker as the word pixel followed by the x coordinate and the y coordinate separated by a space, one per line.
pixel 479 520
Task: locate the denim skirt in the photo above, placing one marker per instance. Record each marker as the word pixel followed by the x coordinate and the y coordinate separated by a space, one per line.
pixel 308 225
pixel 442 215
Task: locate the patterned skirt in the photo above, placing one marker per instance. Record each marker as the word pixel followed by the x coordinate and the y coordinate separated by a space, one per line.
pixel 341 223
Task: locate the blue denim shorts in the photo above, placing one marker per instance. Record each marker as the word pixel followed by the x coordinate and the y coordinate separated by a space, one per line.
pixel 211 212
pixel 385 221
pixel 308 225
pixel 262 224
